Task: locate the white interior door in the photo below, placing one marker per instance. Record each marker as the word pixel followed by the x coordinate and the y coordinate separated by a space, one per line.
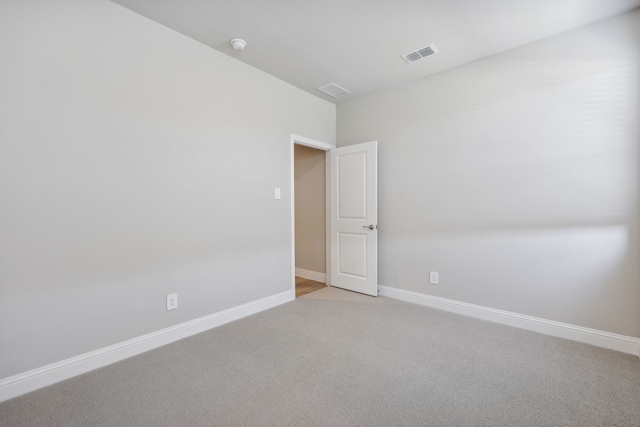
pixel 354 218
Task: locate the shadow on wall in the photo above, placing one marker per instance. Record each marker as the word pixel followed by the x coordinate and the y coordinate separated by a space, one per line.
pixel 551 155
pixel 549 189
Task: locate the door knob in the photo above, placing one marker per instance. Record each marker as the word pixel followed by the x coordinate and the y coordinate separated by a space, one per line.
pixel 370 227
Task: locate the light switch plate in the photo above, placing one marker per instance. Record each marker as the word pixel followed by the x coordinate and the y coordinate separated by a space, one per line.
pixel 277 193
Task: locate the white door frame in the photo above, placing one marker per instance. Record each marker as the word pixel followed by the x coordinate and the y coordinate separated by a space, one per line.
pixel 326 147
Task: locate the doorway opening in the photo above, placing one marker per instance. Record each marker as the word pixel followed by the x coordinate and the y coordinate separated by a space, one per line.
pixel 309 214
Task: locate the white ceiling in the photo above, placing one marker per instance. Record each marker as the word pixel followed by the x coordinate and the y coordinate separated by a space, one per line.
pixel 358 44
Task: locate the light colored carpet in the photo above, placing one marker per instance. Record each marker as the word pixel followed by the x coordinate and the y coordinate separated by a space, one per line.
pixel 334 358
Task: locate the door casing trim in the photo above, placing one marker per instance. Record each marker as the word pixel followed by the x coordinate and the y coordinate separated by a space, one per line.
pixel 326 147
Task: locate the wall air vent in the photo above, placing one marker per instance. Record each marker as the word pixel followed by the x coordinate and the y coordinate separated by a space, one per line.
pixel 333 90
pixel 420 53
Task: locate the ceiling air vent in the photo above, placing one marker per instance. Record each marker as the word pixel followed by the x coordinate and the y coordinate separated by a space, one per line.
pixel 334 90
pixel 420 53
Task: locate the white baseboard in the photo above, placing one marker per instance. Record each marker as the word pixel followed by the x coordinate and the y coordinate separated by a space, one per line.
pixel 41 377
pixel 311 275
pixel 622 343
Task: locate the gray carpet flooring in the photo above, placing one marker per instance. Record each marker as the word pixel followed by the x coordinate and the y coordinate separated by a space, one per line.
pixel 334 358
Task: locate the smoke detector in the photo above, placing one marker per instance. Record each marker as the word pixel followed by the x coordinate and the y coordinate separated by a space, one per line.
pixel 238 44
pixel 420 53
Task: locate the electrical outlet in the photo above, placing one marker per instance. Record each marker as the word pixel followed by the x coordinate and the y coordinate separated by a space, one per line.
pixel 433 277
pixel 172 301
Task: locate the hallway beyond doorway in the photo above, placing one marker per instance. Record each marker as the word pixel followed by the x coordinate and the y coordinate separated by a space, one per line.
pixel 306 286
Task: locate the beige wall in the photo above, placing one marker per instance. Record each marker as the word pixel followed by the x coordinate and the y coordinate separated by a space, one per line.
pixel 134 162
pixel 516 178
pixel 310 208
